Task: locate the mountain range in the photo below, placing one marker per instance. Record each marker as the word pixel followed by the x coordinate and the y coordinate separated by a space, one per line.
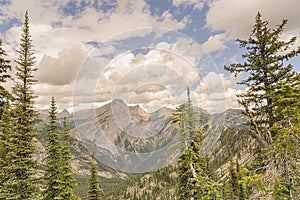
pixel 127 140
pixel 131 140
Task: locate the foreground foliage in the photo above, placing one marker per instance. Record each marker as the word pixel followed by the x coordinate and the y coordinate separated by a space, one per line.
pixel 19 169
pixel 58 172
pixel 95 192
pixel 195 177
pixel 272 106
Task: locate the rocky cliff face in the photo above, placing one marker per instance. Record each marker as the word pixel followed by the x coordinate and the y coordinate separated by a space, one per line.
pixel 127 138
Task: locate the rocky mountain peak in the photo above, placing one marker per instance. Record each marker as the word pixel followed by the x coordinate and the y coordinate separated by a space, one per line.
pixel 138 114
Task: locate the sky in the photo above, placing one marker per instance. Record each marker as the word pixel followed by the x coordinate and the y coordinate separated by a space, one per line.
pixel 145 52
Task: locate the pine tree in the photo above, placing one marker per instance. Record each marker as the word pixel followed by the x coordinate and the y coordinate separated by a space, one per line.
pixel 58 173
pixel 286 145
pixel 185 117
pixel 4 107
pixel 235 187
pixel 7 126
pixel 66 177
pixel 52 166
pixel 95 192
pixel 20 168
pixel 207 187
pixel 266 65
pixel 195 173
pixel 4 68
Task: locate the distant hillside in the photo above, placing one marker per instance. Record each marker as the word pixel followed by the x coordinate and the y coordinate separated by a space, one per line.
pixel 156 185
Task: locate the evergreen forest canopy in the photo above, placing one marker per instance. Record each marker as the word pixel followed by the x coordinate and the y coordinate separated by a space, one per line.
pixel 271 105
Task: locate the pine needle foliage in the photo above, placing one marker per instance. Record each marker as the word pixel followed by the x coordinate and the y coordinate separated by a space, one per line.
pixel 195 173
pixel 95 192
pixel 5 67
pixel 52 166
pixel 20 167
pixel 66 177
pixel 269 103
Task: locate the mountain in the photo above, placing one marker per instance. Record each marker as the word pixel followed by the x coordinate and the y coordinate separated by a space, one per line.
pixel 43 114
pixel 127 137
pixel 132 140
pixel 81 156
pixel 225 136
pixel 127 141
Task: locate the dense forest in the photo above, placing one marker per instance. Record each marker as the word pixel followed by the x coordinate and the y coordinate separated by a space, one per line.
pixel 271 106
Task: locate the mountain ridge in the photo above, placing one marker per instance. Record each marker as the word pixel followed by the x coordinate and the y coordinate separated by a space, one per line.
pixel 128 140
pixel 117 129
pixel 121 133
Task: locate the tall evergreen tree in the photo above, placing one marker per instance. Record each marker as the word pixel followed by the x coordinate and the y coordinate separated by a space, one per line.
pixel 207 187
pixel 6 125
pixel 195 175
pixel 66 177
pixel 58 174
pixel 185 118
pixel 52 166
pixel 266 65
pixel 20 167
pixel 4 75
pixel 4 107
pixel 95 192
pixel 235 187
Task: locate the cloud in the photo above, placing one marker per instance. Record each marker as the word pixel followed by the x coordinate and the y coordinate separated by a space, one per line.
pixel 60 40
pixel 128 15
pixel 217 101
pixel 91 24
pixel 41 11
pixel 196 3
pixel 147 96
pixel 215 43
pixel 62 94
pixel 216 93
pixel 137 77
pixel 153 80
pixel 129 72
pixel 63 41
pixel 151 87
pixel 214 82
pixel 236 18
pixel 185 48
pixel 61 70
